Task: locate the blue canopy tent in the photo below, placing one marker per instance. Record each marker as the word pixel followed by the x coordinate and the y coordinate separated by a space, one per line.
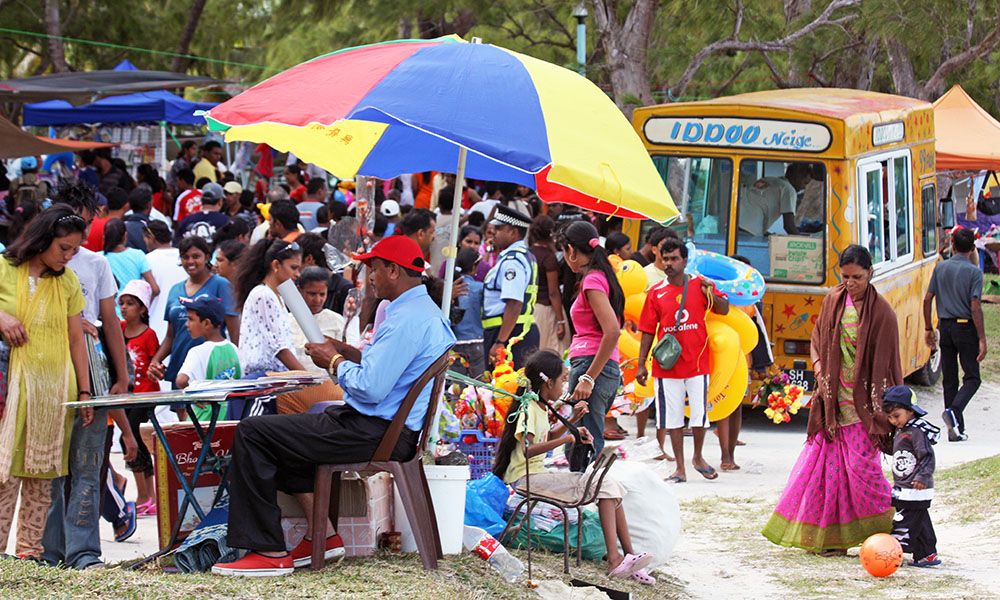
pixel 144 107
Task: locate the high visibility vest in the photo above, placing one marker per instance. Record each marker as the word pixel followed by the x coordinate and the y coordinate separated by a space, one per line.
pixel 527 316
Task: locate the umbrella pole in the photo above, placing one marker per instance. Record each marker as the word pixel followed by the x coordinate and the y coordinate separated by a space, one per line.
pixel 451 251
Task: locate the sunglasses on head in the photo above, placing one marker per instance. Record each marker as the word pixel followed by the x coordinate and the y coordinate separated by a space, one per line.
pixel 290 249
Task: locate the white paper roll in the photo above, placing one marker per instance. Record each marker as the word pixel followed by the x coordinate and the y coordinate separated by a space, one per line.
pixel 297 306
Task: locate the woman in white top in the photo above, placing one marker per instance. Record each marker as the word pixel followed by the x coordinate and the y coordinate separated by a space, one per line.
pixel 265 325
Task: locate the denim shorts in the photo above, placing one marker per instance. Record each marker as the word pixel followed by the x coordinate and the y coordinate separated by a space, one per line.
pixel 605 389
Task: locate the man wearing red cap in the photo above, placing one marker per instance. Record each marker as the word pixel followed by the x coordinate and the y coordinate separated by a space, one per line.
pixel 280 452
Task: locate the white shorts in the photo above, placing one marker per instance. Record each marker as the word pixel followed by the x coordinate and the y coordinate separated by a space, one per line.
pixel 670 401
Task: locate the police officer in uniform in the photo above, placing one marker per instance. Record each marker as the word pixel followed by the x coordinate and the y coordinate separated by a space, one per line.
pixel 510 290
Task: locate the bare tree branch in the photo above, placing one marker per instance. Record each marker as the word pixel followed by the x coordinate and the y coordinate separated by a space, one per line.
pixel 732 79
pixel 824 19
pixel 556 22
pixel 775 74
pixel 984 47
pixel 517 30
pixel 738 21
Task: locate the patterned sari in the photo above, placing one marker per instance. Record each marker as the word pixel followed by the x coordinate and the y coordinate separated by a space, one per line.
pixel 836 495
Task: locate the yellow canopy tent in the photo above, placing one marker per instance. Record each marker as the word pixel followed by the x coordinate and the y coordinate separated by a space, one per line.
pixel 968 137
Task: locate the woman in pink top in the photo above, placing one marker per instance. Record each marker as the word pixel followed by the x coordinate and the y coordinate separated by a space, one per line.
pixel 593 354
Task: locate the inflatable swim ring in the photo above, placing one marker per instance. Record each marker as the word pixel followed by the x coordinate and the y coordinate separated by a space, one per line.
pixel 724 349
pixel 742 324
pixel 742 284
pixel 729 399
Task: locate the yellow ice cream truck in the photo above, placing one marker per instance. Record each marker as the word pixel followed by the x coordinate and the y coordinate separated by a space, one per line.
pixel 788 179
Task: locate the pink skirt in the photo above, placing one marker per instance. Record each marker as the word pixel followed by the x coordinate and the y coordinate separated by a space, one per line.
pixel 836 495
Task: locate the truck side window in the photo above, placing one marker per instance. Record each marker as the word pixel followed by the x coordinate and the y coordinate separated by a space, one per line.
pixel 886 207
pixel 928 219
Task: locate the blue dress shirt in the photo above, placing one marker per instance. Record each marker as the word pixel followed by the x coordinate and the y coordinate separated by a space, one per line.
pixel 413 335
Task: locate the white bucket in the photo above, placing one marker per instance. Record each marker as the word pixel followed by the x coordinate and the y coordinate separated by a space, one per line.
pixel 447 485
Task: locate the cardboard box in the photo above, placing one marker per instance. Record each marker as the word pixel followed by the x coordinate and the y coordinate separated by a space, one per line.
pixel 796 258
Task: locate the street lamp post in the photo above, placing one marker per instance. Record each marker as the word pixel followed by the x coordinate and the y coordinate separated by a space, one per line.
pixel 580 12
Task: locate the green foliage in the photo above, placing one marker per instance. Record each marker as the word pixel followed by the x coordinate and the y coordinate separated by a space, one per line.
pixel 266 36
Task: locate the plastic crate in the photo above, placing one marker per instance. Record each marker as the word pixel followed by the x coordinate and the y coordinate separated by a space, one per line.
pixel 480 452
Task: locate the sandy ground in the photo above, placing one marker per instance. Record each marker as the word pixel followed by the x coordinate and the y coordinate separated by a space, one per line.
pixel 720 553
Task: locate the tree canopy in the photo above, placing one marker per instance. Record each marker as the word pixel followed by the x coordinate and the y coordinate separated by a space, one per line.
pixel 640 51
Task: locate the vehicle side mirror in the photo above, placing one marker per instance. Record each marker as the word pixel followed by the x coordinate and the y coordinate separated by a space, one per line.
pixel 947 208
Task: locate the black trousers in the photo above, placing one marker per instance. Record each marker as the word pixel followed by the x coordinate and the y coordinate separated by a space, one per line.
pixel 521 350
pixel 913 528
pixel 143 462
pixel 280 452
pixel 959 345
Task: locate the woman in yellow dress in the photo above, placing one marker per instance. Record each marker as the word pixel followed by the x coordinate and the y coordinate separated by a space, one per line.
pixel 40 306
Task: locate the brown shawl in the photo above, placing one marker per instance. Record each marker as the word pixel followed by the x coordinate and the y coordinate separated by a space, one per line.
pixel 877 363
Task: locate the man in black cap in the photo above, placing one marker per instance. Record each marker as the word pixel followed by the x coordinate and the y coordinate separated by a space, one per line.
pixel 511 288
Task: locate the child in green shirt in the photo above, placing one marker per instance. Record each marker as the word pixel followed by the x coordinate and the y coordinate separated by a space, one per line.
pixel 215 358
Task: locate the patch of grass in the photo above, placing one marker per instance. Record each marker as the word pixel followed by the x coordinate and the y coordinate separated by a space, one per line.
pixel 972 490
pixel 735 525
pixel 380 576
pixel 990 368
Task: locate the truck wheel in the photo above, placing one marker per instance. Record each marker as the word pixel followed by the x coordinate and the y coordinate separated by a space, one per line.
pixel 929 374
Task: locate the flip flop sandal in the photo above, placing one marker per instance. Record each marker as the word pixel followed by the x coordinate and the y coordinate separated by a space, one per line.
pixel 613 436
pixel 631 564
pixel 130 523
pixel 729 467
pixel 146 509
pixel 643 577
pixel 676 479
pixel 665 457
pixel 708 473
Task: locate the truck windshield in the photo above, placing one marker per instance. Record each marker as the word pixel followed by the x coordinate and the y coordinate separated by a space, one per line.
pixel 701 187
pixel 781 219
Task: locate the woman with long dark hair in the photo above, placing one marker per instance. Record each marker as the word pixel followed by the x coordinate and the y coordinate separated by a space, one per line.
pixel 546 376
pixel 549 315
pixel 837 495
pixel 196 259
pixel 265 327
pixel 40 320
pixel 596 314
pixel 227 256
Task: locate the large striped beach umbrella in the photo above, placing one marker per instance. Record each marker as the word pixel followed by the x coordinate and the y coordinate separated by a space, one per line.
pixel 446 105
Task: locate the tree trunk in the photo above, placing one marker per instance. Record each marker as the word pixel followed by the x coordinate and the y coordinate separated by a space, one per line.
pixel 904 80
pixel 53 27
pixel 625 46
pixel 180 64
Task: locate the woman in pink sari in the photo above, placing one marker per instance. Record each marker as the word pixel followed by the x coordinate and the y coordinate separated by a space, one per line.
pixel 837 495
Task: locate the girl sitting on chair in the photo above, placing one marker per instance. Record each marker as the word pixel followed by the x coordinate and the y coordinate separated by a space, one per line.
pixel 546 375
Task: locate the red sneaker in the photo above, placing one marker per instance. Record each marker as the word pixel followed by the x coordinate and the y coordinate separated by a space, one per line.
pixel 256 565
pixel 302 554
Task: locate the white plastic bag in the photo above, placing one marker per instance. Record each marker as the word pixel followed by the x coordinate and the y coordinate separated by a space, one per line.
pixel 652 511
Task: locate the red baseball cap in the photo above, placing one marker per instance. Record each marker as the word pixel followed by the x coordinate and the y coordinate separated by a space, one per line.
pixel 397 249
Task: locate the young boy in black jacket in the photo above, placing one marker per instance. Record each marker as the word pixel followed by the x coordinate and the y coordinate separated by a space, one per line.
pixel 912 475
